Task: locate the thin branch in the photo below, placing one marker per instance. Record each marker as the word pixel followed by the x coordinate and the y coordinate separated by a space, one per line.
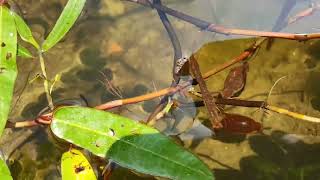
pixel 208 99
pixel 47 118
pixel 215 28
pixel 163 92
pixel 283 17
pixel 243 56
pixel 259 104
pixel 204 25
pixel 305 13
pixel 173 38
pixel 21 124
pixel 293 114
pixel 279 25
pixel 233 102
pixel 177 57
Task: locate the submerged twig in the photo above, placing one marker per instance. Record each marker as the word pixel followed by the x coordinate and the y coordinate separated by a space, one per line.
pixel 304 13
pixel 204 25
pixel 176 59
pixel 21 124
pixel 47 118
pixel 260 104
pixel 208 99
pixel 293 114
pixel 163 92
pixel 282 20
pixel 173 38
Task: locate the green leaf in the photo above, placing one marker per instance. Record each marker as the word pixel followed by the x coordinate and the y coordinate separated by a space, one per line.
pixel 67 18
pixel 74 165
pixel 8 66
pixel 24 52
pixel 4 171
pixel 128 143
pixel 24 31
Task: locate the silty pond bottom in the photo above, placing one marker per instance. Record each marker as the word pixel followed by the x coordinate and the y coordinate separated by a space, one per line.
pixel 127 44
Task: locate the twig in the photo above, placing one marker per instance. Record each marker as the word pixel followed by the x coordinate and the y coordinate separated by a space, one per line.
pixel 47 118
pixel 304 13
pixel 283 17
pixel 208 99
pixel 293 114
pixel 173 38
pixel 224 30
pixel 21 124
pixel 233 102
pixel 163 92
pixel 279 25
pixel 176 59
pixel 243 56
pixel 259 104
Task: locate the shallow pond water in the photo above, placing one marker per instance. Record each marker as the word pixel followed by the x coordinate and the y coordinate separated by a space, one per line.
pixel 127 44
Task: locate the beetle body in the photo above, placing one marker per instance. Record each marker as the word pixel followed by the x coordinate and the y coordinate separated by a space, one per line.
pixel 238 124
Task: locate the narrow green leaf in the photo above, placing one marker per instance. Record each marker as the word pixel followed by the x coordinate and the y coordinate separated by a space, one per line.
pixel 24 31
pixel 4 171
pixel 74 165
pixel 24 52
pixel 128 143
pixel 8 66
pixel 67 18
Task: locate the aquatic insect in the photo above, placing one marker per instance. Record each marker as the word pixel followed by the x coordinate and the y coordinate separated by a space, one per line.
pixel 238 124
pixel 235 81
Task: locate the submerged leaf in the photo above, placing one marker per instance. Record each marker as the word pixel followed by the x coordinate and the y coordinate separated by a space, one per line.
pixel 67 18
pixel 24 31
pixel 8 66
pixel 74 165
pixel 128 143
pixel 4 171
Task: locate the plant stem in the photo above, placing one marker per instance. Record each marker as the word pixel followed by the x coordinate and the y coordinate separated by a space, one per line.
pixel 46 82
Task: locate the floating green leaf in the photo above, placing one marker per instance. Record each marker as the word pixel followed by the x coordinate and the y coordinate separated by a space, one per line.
pixel 4 171
pixel 8 66
pixel 74 165
pixel 128 143
pixel 24 52
pixel 67 18
pixel 24 31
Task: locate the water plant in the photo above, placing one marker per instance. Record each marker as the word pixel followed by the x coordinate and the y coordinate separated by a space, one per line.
pixel 124 141
pixel 117 139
